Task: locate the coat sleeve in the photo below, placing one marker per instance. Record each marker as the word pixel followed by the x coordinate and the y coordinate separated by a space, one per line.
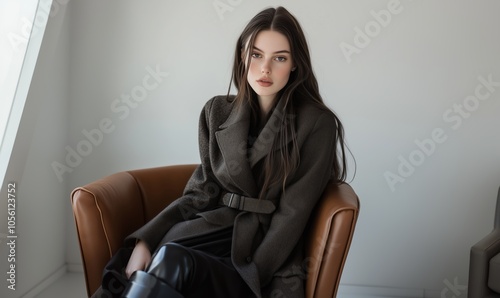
pixel 298 199
pixel 200 194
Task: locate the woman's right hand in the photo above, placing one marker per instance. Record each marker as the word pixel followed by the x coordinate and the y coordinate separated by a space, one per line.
pixel 140 258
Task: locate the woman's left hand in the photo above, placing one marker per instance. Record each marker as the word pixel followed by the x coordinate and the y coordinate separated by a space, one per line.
pixel 139 260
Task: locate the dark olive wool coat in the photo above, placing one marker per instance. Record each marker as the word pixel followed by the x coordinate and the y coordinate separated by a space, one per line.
pixel 267 248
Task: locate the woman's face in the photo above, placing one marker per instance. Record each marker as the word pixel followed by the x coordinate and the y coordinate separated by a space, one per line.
pixel 270 64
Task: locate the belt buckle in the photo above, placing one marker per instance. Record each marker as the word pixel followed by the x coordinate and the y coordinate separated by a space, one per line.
pixel 231 198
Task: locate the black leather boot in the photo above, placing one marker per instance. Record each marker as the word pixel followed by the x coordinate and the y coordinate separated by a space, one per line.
pixel 144 285
pixel 169 272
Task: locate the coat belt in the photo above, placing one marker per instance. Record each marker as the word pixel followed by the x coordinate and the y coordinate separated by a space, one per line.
pixel 243 203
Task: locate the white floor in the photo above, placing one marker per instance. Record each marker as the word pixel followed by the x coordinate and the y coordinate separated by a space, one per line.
pixel 69 285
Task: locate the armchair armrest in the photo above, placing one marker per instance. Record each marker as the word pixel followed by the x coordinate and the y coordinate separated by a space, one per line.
pixel 108 210
pixel 480 255
pixel 329 237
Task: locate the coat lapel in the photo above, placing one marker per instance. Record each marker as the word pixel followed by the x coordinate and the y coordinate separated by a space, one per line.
pixel 232 139
pixel 264 143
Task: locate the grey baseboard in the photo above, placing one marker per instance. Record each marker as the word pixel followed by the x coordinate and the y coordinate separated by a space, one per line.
pixel 46 282
pixel 75 267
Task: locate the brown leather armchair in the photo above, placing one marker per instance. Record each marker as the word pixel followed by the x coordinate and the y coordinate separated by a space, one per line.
pixel 484 264
pixel 108 210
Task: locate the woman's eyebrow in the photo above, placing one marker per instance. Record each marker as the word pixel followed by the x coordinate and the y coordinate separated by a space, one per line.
pixel 278 52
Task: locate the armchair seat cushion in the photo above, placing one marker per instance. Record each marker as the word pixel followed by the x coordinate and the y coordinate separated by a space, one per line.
pixel 494 274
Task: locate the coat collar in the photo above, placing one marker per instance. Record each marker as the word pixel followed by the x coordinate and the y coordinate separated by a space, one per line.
pixel 232 138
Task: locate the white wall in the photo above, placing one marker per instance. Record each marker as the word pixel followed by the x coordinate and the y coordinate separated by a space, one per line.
pixel 394 92
pixel 42 201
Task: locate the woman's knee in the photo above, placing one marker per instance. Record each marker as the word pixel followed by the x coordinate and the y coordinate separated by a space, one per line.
pixel 174 253
pixel 174 264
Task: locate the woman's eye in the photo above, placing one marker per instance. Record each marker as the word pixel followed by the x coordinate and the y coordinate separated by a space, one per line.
pixel 281 59
pixel 255 55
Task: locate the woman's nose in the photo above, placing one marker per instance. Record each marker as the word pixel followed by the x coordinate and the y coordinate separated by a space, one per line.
pixel 266 69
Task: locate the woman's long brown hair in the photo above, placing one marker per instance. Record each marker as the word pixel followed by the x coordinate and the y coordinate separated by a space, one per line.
pixel 302 86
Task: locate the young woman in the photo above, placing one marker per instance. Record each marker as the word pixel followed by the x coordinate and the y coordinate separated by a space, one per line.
pixel 266 156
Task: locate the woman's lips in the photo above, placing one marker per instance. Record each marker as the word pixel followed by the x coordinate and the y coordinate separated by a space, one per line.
pixel 265 82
